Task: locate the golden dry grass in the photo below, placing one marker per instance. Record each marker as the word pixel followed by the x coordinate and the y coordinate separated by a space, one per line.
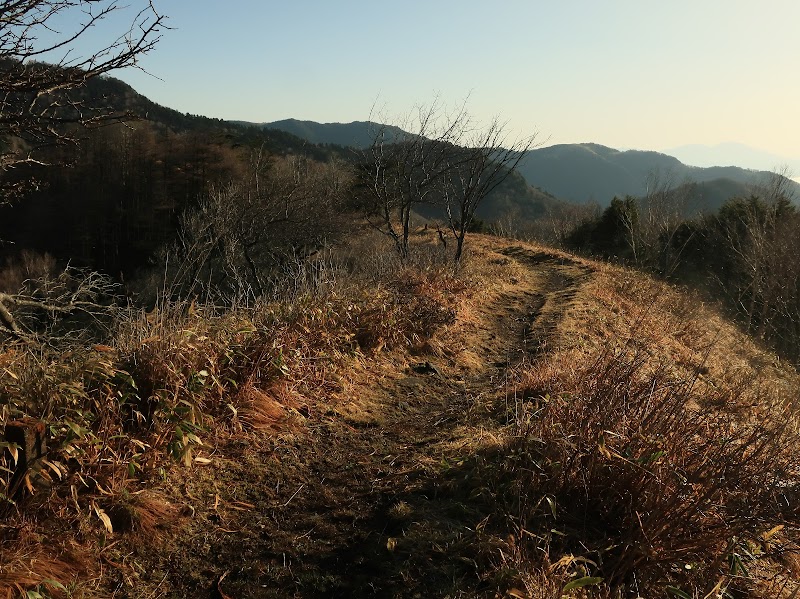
pixel 190 384
pixel 628 342
pixel 174 383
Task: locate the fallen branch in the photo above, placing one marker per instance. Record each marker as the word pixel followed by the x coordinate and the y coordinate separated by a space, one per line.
pixel 70 292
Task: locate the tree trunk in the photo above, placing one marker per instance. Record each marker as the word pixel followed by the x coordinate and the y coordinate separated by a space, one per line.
pixel 459 246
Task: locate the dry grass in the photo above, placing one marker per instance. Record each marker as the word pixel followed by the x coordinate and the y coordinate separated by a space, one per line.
pixel 651 436
pixel 30 561
pixel 170 383
pixel 655 443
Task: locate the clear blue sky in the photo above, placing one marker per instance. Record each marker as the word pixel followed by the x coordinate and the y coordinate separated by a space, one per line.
pixel 624 73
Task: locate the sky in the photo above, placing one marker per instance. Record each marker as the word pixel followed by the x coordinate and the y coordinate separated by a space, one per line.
pixel 627 74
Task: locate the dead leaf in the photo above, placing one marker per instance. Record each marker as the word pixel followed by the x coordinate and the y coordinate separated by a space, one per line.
pixel 14 451
pixel 54 466
pixel 103 518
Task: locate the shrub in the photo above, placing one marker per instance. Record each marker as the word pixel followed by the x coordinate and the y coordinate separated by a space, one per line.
pixel 616 461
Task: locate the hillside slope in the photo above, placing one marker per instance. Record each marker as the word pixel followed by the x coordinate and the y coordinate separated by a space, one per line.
pixel 401 437
pixel 592 172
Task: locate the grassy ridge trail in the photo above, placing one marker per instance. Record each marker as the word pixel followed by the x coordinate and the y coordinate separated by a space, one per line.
pixel 365 499
pixel 529 424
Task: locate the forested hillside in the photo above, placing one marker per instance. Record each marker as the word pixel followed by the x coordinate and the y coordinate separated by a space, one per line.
pixel 114 202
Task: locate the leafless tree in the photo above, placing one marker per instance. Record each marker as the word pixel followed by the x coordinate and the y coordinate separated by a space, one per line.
pixel 561 220
pixel 402 168
pixel 661 212
pixel 42 70
pixel 776 186
pixel 447 160
pixel 44 103
pixel 762 234
pixel 479 160
pixel 233 242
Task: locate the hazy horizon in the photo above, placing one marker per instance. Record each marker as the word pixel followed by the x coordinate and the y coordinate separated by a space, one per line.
pixel 700 155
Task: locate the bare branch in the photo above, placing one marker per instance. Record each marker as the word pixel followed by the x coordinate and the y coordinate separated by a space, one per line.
pixel 442 158
pixel 37 310
pixel 41 104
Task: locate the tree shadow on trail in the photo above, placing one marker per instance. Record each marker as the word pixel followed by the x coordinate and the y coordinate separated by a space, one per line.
pixel 444 538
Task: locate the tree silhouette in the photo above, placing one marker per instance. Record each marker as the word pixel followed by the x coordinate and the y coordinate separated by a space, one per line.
pixel 45 103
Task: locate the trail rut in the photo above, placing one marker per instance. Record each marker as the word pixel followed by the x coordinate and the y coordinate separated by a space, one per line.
pixel 365 505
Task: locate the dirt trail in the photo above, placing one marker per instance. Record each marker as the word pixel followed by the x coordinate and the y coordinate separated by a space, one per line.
pixel 367 501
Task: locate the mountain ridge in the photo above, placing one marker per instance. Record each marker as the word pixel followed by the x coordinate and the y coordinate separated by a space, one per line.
pixel 358 134
pixel 575 173
pixel 579 172
pixel 606 173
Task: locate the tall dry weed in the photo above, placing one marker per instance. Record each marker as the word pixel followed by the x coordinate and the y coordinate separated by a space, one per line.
pixel 642 452
pixel 168 382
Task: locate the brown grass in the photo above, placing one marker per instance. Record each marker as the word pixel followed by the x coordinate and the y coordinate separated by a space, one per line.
pixel 30 561
pixel 653 443
pixel 170 383
pixel 650 437
pixel 144 513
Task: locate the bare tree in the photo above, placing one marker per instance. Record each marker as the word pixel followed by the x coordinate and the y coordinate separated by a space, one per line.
pixel 761 235
pixel 42 103
pixel 402 168
pixel 447 160
pixel 480 159
pixel 651 227
pixel 561 220
pixel 776 186
pixel 233 242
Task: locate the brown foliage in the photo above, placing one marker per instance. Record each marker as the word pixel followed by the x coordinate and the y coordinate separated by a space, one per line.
pixel 647 446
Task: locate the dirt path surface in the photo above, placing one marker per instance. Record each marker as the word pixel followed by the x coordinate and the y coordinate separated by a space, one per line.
pixel 367 499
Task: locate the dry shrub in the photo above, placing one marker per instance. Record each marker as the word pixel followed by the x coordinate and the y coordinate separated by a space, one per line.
pixel 187 367
pixel 411 309
pixel 26 266
pixel 175 373
pixel 616 457
pixel 368 258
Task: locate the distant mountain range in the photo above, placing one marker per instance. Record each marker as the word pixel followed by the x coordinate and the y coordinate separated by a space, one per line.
pixel 592 172
pixel 733 154
pixel 580 172
pixel 569 172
